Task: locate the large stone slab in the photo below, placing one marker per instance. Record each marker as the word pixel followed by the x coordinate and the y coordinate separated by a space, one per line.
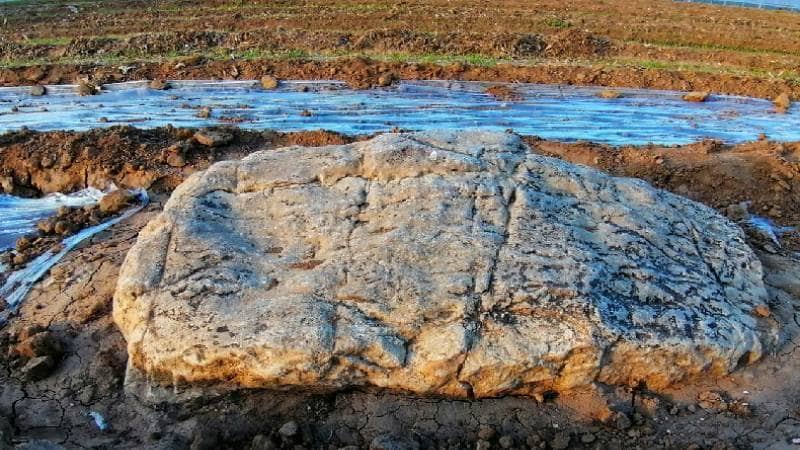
pixel 440 263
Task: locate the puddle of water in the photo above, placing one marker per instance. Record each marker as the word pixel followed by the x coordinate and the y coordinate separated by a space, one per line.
pixel 565 113
pixel 19 283
pixel 18 216
pixel 790 5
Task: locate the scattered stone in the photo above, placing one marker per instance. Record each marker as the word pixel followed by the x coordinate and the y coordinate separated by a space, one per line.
pixel 213 138
pixel 289 429
pixel 533 440
pixel 389 442
pixel 204 112
pixel 740 408
pixel 483 445
pixel 486 432
pixel 697 96
pixel 622 421
pixel 609 94
pixel 269 82
pixel 782 102
pixel 560 441
pixel 38 368
pixel 738 211
pixel 588 438
pixel 116 201
pixel 406 207
pixel 711 401
pixel 64 227
pixel 506 441
pixel 159 85
pixel 306 113
pixel 38 90
pixel 23 243
pixel 262 442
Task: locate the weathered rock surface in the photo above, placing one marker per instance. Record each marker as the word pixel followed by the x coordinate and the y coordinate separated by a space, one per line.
pixel 440 263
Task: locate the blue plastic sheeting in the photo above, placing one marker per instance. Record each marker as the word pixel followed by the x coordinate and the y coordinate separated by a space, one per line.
pixel 19 283
pixel 565 113
pixel 18 216
pixel 791 5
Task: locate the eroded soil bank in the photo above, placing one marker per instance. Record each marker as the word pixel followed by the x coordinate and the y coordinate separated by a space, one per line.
pixel 67 319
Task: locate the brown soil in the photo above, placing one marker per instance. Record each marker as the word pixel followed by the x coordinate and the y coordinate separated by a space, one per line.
pixel 673 46
pixel 66 323
pixel 765 173
pixel 364 73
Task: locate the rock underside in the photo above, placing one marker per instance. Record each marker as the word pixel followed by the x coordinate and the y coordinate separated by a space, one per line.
pixel 440 263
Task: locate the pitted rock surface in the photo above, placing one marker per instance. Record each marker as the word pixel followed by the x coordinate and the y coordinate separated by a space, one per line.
pixel 440 263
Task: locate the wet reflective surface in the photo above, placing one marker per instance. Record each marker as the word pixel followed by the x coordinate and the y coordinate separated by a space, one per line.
pixel 564 113
pixel 18 216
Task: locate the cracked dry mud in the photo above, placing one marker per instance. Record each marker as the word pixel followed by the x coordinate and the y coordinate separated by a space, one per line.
pixel 454 264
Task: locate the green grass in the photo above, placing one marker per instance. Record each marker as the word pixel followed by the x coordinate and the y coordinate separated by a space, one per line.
pixel 47 41
pixel 557 22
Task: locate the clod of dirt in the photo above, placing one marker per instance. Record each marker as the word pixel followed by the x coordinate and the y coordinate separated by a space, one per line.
pixel 560 441
pixel 159 85
pixel 696 96
pixel 503 93
pixel 38 90
pixel 609 94
pixel 762 311
pixel 782 102
pixel 386 79
pixel 175 155
pixel 211 138
pixel 38 368
pixel 289 429
pixel 269 82
pixel 116 201
pixel 87 88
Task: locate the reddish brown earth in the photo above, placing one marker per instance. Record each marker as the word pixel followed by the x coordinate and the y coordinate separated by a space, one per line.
pixel 364 73
pixel 637 43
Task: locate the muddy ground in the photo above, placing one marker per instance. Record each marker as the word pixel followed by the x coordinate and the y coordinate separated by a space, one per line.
pixel 636 43
pixel 62 358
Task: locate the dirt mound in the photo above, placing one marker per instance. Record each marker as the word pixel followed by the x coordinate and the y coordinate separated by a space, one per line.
pixel 39 163
pixel 764 174
pixel 574 43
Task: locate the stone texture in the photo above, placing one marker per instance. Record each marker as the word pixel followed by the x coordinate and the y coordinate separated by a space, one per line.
pixel 440 263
